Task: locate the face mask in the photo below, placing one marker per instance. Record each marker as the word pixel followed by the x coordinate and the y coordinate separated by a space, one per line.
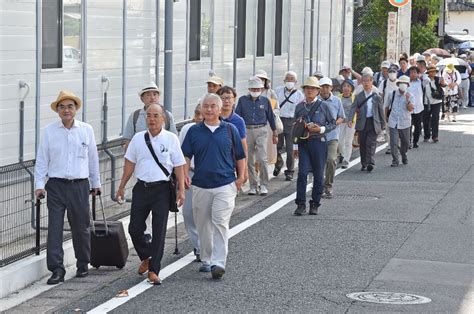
pixel 255 94
pixel 392 76
pixel 290 85
pixel 403 87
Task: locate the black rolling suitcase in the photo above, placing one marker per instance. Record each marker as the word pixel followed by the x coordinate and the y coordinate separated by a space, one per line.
pixel 108 242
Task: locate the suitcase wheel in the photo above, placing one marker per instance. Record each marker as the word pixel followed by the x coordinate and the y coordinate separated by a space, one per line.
pixel 119 267
pixel 96 266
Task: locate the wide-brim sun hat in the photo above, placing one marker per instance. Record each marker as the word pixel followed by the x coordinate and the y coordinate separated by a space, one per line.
pixel 255 82
pixel 311 82
pixel 385 64
pixel 150 87
pixel 262 75
pixel 403 80
pixel 63 95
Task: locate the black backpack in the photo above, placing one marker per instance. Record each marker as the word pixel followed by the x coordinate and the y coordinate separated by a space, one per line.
pixel 437 93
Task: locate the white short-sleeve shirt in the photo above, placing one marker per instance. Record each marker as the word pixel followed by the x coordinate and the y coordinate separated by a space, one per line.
pixel 167 149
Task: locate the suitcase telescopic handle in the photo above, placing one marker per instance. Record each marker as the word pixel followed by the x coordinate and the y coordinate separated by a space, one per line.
pixel 103 216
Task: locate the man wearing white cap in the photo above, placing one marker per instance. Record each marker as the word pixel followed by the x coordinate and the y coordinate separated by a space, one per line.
pixel 256 111
pixel 149 94
pixel 67 166
pixel 288 97
pixel 464 86
pixel 383 74
pixel 398 112
pixel 334 105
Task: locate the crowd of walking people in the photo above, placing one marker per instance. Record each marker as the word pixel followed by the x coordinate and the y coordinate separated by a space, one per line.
pixel 232 140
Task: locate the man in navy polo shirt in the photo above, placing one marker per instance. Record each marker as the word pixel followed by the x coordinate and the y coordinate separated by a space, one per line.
pixel 217 151
pixel 256 111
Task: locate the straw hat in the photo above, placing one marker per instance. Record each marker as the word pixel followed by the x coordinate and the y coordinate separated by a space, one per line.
pixel 148 88
pixel 431 68
pixel 63 95
pixel 403 79
pixel 311 82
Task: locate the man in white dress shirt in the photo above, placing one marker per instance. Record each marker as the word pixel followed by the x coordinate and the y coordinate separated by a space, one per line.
pixel 67 166
pixel 288 97
pixel 151 193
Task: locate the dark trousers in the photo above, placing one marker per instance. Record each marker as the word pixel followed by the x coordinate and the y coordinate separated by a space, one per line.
pixel 73 197
pixel 312 157
pixel 284 139
pixel 145 199
pixel 368 143
pixel 431 121
pixel 416 124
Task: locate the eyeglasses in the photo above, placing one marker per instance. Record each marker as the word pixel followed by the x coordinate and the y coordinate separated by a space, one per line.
pixel 226 98
pixel 64 107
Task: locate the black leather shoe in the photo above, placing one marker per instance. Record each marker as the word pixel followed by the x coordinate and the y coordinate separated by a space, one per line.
pixel 82 272
pixel 370 167
pixel 56 277
pixel 276 171
pixel 364 168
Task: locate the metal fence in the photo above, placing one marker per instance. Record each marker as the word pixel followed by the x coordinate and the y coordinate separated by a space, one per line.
pixel 18 237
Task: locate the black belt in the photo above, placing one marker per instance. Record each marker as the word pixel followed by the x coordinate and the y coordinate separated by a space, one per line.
pixel 464 78
pixel 255 126
pixel 152 184
pixel 63 180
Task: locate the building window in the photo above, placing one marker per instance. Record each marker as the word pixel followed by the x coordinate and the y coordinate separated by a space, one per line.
pixel 199 29
pixel 261 28
pixel 241 27
pixel 61 33
pixel 278 26
pixel 52 42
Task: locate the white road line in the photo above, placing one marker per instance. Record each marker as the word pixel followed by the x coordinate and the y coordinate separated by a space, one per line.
pixel 184 261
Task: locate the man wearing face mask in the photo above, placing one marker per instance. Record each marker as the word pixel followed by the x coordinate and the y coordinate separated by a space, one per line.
pixel 398 113
pixel 416 89
pixel 256 111
pixel 288 97
pixel 386 88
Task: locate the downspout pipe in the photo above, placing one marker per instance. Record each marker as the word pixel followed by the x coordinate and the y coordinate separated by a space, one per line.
pixel 311 34
pixel 168 82
pixel 24 85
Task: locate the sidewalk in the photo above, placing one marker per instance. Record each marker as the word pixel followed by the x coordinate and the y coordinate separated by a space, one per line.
pixel 397 229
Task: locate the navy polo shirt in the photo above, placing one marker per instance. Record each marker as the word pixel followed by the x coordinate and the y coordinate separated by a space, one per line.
pixel 256 112
pixel 213 154
pixel 238 122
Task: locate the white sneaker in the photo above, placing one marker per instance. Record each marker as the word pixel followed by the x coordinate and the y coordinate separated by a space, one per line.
pixel 252 191
pixel 263 190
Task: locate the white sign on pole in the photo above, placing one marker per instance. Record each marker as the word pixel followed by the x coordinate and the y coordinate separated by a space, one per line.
pixel 392 32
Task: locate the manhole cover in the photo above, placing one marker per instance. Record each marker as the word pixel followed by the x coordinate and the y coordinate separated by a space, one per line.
pixel 355 197
pixel 388 298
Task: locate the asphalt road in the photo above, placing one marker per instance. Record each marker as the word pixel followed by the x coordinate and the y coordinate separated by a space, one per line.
pixel 406 229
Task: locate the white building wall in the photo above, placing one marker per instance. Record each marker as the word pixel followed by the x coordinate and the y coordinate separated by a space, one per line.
pixel 104 58
pixel 456 21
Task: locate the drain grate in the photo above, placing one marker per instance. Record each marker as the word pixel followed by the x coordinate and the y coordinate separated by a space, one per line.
pixel 388 298
pixel 355 197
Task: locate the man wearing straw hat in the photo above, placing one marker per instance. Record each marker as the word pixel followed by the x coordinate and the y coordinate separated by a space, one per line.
pixel 67 166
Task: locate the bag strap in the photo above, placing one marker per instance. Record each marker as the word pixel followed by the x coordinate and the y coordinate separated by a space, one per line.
pixel 391 102
pixel 152 151
pixel 229 131
pixel 314 108
pixel 365 100
pixel 136 113
pixel 287 98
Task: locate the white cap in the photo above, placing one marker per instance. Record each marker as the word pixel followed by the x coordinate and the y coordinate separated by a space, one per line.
pixel 403 79
pixel 367 70
pixel 420 58
pixel 255 82
pixel 385 64
pixel 325 81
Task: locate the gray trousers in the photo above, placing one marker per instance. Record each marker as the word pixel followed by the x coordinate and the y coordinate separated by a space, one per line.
pixel 368 143
pixel 257 151
pixel 331 164
pixel 284 139
pixel 73 197
pixel 404 135
pixel 465 92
